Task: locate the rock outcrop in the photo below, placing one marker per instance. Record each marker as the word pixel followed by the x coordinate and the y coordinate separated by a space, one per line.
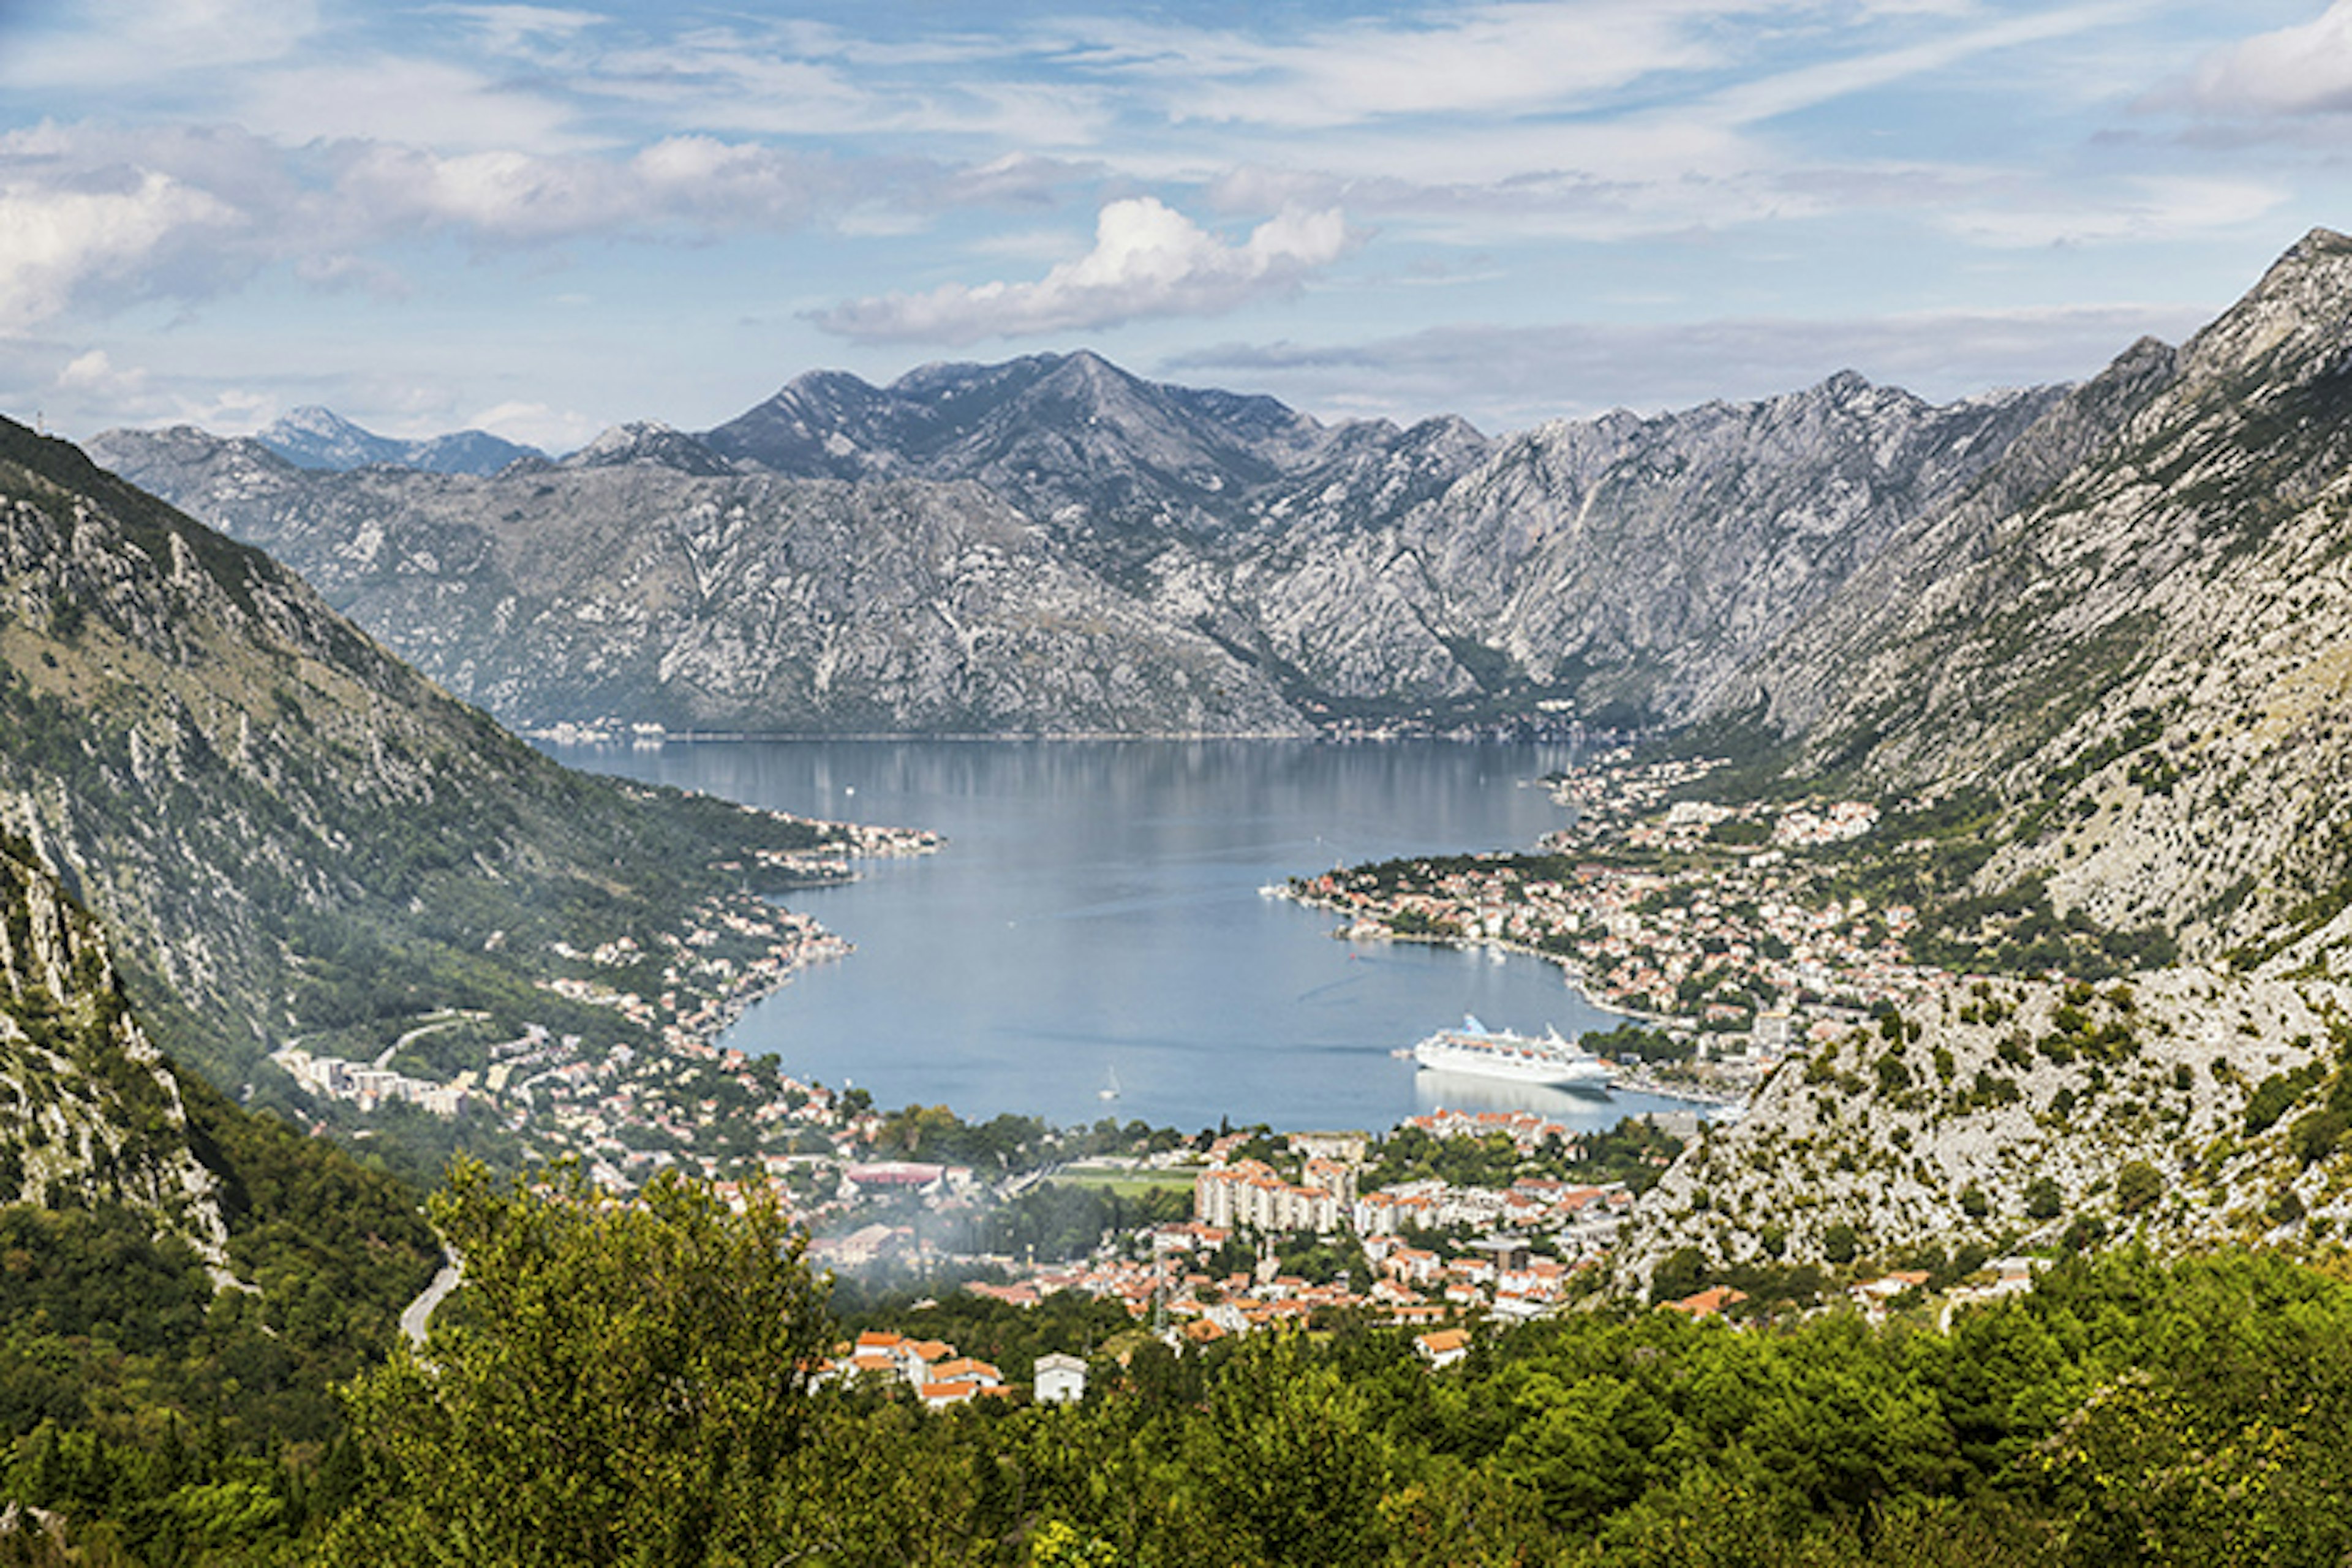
pixel 2006 1113
pixel 92 1113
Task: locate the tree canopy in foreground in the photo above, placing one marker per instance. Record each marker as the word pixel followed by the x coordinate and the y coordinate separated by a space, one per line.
pixel 630 1384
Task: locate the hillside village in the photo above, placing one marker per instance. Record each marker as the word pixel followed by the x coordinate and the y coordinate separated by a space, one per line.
pixel 625 1110
pixel 1712 921
pixel 1707 914
pixel 1288 1230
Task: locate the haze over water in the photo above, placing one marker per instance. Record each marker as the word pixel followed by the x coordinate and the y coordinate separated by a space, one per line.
pixel 1095 917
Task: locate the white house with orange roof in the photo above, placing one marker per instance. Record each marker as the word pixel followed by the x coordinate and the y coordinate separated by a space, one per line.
pixel 1875 1295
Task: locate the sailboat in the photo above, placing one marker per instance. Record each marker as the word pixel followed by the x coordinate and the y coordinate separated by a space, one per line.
pixel 1110 1091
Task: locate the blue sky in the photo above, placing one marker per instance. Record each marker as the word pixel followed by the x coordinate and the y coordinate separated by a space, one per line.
pixel 546 219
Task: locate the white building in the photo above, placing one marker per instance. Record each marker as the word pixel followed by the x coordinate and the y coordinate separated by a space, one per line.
pixel 1059 1379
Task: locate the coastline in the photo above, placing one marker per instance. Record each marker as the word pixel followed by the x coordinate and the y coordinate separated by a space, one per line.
pixel 1635 1079
pixel 1571 972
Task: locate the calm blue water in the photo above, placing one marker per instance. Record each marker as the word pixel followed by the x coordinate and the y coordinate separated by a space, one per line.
pixel 1095 917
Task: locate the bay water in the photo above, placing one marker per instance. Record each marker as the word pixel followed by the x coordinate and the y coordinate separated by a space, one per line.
pixel 1094 941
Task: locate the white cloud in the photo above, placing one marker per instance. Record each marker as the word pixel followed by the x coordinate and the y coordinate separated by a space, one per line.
pixel 1489 59
pixel 101 214
pixel 80 394
pixel 111 42
pixel 2145 208
pixel 537 425
pixel 420 102
pixel 801 80
pixel 57 243
pixel 1707 156
pixel 93 374
pixel 1509 377
pixel 2305 70
pixel 1148 260
pixel 518 29
pixel 1809 86
pixel 692 182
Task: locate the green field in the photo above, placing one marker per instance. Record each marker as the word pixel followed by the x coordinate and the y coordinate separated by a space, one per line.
pixel 1124 1183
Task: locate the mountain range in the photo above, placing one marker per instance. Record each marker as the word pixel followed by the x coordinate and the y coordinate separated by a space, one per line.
pixel 1053 545
pixel 2132 639
pixel 315 437
pixel 2106 619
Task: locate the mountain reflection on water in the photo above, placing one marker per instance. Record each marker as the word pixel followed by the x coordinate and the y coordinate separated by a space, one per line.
pixel 1096 919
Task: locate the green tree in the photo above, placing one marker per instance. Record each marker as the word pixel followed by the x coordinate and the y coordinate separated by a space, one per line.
pixel 1294 1468
pixel 1682 1272
pixel 615 1383
pixel 2137 1186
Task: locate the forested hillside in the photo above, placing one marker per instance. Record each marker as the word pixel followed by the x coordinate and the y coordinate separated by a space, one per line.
pixel 181 1282
pixel 286 830
pixel 2125 1411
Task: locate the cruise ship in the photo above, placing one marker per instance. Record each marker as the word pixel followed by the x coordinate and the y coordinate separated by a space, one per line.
pixel 1498 1053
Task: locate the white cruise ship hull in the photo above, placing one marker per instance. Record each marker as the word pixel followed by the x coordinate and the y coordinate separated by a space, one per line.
pixel 1552 1063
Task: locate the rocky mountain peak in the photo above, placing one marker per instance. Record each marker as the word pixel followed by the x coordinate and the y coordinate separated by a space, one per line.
pixel 318 422
pixel 1845 385
pixel 650 443
pixel 313 437
pixel 2294 325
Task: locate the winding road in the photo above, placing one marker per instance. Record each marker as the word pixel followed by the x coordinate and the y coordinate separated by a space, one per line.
pixel 419 1312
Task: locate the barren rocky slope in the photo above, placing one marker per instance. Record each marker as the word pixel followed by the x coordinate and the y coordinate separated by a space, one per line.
pixel 2004 1113
pixel 1625 562
pixel 2148 661
pixel 1053 545
pixel 634 582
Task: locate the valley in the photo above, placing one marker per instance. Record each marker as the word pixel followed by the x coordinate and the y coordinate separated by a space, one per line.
pixel 1974 861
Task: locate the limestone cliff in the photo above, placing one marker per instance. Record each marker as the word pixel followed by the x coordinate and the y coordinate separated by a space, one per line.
pixel 92 1114
pixel 2137 636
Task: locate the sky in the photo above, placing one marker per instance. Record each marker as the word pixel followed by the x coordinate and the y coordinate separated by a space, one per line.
pixel 542 220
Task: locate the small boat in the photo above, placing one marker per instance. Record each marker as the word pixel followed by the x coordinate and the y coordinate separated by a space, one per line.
pixel 1548 1060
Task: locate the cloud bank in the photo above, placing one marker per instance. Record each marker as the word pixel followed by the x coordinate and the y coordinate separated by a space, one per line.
pixel 2293 71
pixel 57 243
pixel 1510 377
